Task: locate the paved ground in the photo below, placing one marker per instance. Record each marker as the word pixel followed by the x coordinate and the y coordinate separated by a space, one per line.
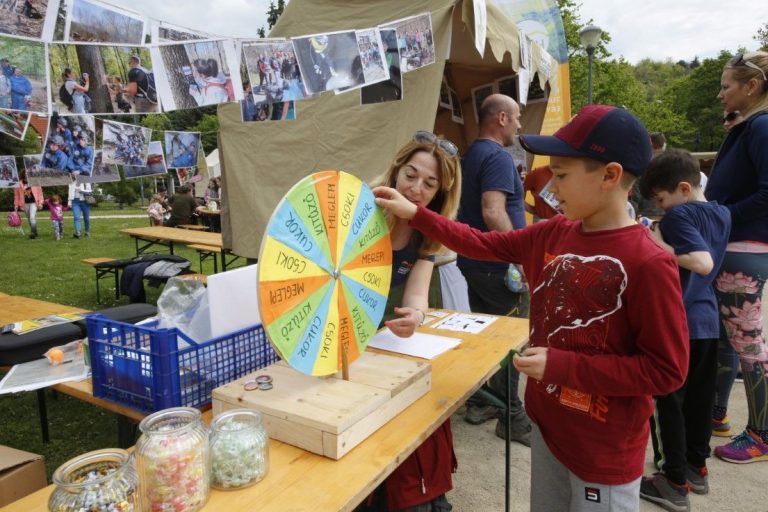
pixel 479 482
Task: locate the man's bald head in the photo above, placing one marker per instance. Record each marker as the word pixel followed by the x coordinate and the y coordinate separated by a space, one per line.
pixel 499 119
pixel 493 105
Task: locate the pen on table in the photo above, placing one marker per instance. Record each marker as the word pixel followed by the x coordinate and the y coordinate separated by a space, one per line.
pixel 67 361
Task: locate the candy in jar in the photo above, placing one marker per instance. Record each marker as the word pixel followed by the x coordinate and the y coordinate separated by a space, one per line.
pixel 239 449
pixel 173 461
pixel 98 481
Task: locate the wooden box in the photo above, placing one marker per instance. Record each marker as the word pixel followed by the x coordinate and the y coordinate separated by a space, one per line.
pixel 327 415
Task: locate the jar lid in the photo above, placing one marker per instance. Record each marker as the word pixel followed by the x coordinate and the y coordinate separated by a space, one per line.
pixel 236 419
pixel 75 472
pixel 170 421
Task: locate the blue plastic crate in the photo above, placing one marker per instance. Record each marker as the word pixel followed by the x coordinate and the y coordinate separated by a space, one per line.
pixel 150 369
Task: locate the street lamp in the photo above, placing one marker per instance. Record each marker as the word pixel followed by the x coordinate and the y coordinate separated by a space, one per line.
pixel 589 37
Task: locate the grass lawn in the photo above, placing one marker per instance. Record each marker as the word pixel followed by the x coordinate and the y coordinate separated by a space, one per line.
pixel 49 270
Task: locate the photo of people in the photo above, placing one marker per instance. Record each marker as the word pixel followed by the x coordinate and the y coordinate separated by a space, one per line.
pixel 23 64
pixel 187 175
pixel 273 72
pixel 9 176
pixel 101 173
pixel 102 79
pixel 69 145
pixel 155 163
pixel 257 112
pixel 196 74
pixel 181 149
pixel 28 18
pixel 14 124
pixel 44 176
pixel 93 21
pixel 370 46
pixel 414 39
pixel 125 144
pixel 391 89
pixel 329 61
pixel 163 32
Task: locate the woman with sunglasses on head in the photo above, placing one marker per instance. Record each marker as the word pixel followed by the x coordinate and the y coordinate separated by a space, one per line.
pixel 739 180
pixel 427 172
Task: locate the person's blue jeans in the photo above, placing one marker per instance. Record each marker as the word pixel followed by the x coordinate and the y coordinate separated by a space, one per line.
pixel 81 208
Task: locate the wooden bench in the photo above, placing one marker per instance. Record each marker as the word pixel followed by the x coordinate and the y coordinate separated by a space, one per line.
pixel 102 272
pixel 194 277
pixel 193 227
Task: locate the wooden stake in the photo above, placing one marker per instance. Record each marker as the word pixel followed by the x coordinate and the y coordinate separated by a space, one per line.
pixel 344 362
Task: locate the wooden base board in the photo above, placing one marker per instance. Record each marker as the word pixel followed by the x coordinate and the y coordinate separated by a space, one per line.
pixel 327 415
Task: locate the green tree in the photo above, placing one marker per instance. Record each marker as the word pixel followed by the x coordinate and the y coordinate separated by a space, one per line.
pixel 762 37
pixel 273 14
pixel 209 127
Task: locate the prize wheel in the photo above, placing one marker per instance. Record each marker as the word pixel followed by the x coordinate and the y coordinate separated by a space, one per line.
pixel 324 271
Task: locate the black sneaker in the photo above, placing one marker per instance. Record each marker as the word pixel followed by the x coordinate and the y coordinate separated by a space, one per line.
pixel 669 496
pixel 75 235
pixel 479 414
pixel 698 479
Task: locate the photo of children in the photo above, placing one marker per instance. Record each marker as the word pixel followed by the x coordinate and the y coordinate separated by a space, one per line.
pixel 155 163
pixel 101 79
pixel 125 144
pixel 69 145
pixel 181 149
pixel 44 177
pixel 14 124
pixel 23 64
pixel 370 45
pixel 93 21
pixel 101 173
pixel 196 74
pixel 273 71
pixel 329 61
pixel 9 175
pixel 414 40
pixel 391 89
pixel 28 18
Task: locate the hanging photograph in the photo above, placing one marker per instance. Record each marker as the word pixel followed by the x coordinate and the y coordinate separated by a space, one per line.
pixel 181 149
pixel 125 144
pixel 95 22
pixel 273 71
pixel 187 175
pixel 415 42
pixel 257 112
pixel 445 94
pixel 100 79
pixel 74 138
pixel 372 55
pixel 44 176
pixel 28 19
pixel 478 95
pixel 535 93
pixel 24 85
pixel 507 85
pixel 457 115
pixel 392 88
pixel 195 74
pixel 101 173
pixel 9 176
pixel 329 61
pixel 14 124
pixel 162 32
pixel 155 163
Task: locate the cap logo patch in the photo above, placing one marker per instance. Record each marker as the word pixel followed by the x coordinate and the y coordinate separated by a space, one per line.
pixel 597 148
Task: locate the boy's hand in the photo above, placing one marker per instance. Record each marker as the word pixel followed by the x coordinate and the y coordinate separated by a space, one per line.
pixel 532 362
pixel 392 200
pixel 406 325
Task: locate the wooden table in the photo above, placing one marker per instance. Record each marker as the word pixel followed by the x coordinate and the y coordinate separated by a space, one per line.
pixel 302 481
pixel 166 237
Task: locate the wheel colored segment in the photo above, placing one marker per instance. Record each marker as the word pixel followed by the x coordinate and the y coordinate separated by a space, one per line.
pixel 289 228
pixel 357 236
pixel 280 297
pixel 306 203
pixel 368 236
pixel 307 351
pixel 373 278
pixel 287 263
pixel 327 185
pixel 378 254
pixel 363 305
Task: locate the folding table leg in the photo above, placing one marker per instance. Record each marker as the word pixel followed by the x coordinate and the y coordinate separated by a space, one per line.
pixel 43 413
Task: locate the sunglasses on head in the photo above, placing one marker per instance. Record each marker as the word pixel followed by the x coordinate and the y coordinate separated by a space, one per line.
pixel 739 60
pixel 425 137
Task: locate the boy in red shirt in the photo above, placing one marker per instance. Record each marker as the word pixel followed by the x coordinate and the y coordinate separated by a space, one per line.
pixel 608 328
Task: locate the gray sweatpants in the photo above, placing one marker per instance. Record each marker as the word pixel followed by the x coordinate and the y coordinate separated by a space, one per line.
pixel 555 488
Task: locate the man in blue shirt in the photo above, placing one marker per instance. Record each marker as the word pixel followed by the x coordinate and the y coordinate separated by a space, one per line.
pixel 81 159
pixel 21 89
pixel 55 158
pixel 492 200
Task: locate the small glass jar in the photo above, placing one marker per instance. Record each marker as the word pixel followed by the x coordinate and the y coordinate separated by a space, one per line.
pixel 239 449
pixel 98 481
pixel 173 461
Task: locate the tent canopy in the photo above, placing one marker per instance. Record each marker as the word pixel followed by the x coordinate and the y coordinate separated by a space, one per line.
pixel 260 161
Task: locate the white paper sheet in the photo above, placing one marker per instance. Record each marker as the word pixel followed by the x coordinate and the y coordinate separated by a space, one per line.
pixel 426 346
pixel 465 322
pixel 233 300
pixel 40 374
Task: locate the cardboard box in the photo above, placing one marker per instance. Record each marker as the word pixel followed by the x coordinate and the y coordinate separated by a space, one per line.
pixel 21 473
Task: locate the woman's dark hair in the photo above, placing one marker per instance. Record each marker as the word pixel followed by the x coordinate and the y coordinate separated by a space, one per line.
pixel 207 67
pixel 66 73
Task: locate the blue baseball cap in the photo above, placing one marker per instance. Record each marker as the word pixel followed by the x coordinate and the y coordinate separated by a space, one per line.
pixel 601 132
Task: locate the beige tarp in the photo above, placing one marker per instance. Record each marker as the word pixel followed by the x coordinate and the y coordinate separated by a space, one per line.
pixel 261 161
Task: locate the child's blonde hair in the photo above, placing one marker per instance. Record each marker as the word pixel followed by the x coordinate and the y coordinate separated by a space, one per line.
pixel 55 198
pixel 156 199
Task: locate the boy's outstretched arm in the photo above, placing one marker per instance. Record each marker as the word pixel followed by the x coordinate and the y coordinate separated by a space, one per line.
pixel 392 200
pixel 700 262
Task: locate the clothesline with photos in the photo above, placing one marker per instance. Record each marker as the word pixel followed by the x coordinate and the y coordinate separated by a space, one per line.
pixel 93 61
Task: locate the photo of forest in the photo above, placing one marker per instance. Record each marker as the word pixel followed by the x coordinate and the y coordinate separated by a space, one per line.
pixel 95 22
pixel 108 69
pixel 23 18
pixel 23 66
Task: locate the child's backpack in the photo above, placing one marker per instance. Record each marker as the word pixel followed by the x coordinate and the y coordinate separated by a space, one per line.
pixel 14 219
pixel 65 97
